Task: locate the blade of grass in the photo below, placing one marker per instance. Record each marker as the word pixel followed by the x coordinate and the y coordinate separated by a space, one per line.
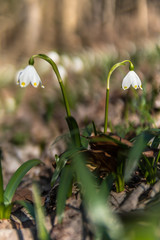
pixel 16 179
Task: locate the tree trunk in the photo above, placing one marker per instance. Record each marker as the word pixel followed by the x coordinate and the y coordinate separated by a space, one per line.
pixel 142 17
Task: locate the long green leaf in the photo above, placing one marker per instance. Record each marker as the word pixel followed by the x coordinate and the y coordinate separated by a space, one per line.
pixel 74 131
pixel 98 210
pixel 16 179
pixel 63 190
pixel 40 215
pixel 135 153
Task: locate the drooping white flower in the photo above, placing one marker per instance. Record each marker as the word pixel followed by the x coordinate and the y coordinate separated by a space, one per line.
pixel 131 79
pixel 29 75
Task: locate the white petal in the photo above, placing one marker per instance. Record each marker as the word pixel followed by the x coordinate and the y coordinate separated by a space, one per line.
pixel 126 83
pixel 18 76
pixel 136 82
pixel 23 79
pixel 35 80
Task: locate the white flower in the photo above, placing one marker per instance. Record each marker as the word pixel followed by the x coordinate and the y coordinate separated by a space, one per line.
pixel 78 65
pixel 131 79
pixel 29 75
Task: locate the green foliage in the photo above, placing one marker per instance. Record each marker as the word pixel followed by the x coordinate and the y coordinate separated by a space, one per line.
pixel 106 223
pixel 61 162
pixel 16 179
pixel 86 133
pixel 149 169
pixel 94 195
pixel 80 142
pixel 7 194
pixel 29 207
pixel 37 212
pixel 39 215
pixel 136 152
pixel 64 190
pixel 119 178
pixel 74 131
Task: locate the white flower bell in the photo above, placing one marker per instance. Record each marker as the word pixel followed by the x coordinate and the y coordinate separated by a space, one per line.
pixel 29 75
pixel 131 79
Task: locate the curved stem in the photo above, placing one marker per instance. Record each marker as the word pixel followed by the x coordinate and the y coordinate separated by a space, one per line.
pixel 106 110
pixel 1 184
pixel 54 66
pixel 131 67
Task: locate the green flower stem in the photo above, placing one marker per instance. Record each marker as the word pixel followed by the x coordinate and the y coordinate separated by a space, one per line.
pixel 106 110
pixel 2 207
pixel 131 67
pixel 1 186
pixel 54 66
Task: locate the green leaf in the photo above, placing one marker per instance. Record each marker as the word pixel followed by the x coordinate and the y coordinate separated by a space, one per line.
pixel 29 207
pixel 63 190
pixel 135 152
pixel 7 211
pixel 106 138
pixel 106 186
pixel 74 131
pixel 16 179
pixel 156 142
pixel 40 215
pixel 89 129
pixel 61 162
pixel 95 203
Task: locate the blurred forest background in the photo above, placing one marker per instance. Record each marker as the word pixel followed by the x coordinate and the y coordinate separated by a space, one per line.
pixel 85 38
pixel 67 25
